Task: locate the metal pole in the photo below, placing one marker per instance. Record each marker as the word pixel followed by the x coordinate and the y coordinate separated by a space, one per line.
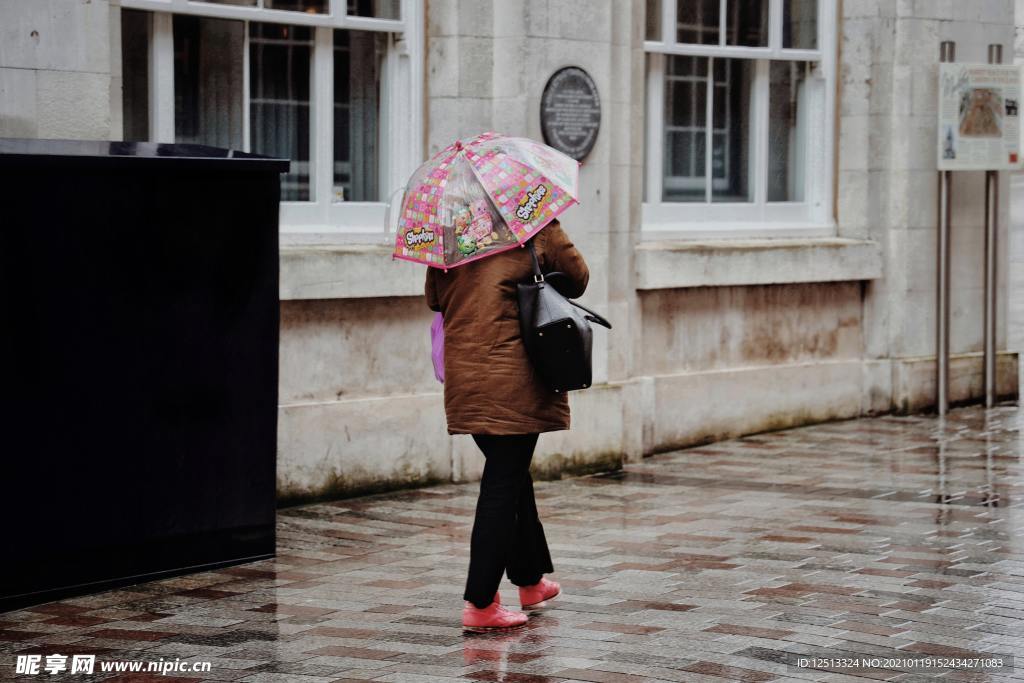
pixel 995 56
pixel 947 53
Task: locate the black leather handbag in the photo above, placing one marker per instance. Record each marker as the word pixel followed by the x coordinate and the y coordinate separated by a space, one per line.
pixel 556 330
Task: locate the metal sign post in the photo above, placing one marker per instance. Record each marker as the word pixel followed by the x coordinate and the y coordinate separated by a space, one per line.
pixel 978 129
pixel 947 53
pixel 995 56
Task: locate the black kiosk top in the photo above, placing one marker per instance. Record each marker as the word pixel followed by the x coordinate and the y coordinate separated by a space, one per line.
pixel 29 150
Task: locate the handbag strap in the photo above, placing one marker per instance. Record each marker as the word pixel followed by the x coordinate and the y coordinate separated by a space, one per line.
pixel 591 315
pixel 538 277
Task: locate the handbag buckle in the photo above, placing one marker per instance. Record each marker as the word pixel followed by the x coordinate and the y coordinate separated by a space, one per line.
pixel 538 278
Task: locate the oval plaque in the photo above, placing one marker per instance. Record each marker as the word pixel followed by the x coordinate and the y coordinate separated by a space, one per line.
pixel 570 112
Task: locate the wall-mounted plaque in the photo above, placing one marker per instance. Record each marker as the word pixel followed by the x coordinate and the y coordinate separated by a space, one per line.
pixel 570 112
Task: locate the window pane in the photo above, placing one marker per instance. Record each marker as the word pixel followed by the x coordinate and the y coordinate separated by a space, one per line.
pixel 800 24
pixel 653 20
pixel 686 81
pixel 208 81
pixel 747 23
pixel 135 65
pixel 787 132
pixel 731 138
pixel 357 58
pixel 382 9
pixel 307 6
pixel 697 21
pixel 279 75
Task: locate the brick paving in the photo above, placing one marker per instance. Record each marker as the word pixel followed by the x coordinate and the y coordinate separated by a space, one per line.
pixel 890 536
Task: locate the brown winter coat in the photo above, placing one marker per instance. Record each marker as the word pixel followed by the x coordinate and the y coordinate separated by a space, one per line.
pixel 490 385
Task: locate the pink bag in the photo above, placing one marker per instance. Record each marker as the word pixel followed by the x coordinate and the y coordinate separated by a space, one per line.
pixel 437 346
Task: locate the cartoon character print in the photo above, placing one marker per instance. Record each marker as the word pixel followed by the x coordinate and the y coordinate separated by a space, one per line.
pixel 474 227
pixel 466 243
pixel 482 227
pixel 462 218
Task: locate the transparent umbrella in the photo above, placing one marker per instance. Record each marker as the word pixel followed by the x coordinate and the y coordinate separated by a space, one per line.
pixel 480 197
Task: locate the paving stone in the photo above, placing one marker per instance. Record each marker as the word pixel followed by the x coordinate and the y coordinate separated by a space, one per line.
pixel 889 536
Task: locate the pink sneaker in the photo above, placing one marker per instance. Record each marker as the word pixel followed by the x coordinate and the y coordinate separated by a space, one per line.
pixel 494 617
pixel 537 595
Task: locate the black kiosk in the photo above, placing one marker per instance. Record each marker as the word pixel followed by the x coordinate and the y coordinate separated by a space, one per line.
pixel 139 353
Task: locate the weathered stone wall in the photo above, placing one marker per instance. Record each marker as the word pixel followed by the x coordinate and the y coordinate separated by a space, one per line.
pixel 360 408
pixel 888 191
pixel 715 328
pixel 60 69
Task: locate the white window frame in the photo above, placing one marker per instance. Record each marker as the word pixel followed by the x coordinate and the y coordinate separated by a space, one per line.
pixel 401 116
pixel 812 217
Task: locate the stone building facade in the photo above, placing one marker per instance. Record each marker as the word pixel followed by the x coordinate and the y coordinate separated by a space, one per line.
pixel 728 321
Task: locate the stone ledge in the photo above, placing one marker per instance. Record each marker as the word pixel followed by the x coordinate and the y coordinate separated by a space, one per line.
pixel 356 271
pixel 719 263
pixel 353 271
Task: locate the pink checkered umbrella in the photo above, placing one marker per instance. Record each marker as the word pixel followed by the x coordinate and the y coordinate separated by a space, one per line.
pixel 481 197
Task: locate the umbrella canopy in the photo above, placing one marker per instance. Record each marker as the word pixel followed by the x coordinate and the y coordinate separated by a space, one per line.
pixel 480 197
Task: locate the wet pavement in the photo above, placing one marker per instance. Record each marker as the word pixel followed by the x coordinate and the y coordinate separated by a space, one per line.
pixel 868 540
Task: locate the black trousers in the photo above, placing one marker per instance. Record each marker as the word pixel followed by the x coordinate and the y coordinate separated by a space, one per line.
pixel 507 534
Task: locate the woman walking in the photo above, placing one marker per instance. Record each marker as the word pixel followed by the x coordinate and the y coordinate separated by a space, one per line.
pixel 492 392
